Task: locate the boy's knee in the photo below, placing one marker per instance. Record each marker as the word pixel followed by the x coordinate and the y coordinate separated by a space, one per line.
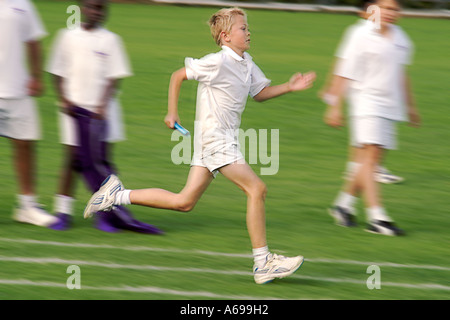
pixel 185 205
pixel 258 189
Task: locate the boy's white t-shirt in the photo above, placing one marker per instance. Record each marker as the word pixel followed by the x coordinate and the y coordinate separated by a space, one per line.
pixel 376 64
pixel 87 60
pixel 225 82
pixel 19 23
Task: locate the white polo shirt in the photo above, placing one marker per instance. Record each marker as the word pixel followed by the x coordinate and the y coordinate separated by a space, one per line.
pixel 87 60
pixel 225 82
pixel 376 64
pixel 19 23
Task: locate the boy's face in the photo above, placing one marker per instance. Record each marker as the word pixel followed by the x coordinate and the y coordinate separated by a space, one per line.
pixel 239 37
pixel 389 11
pixel 95 11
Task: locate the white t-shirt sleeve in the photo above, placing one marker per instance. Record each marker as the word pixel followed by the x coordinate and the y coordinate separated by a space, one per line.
pixel 408 57
pixel 202 69
pixel 118 65
pixel 349 58
pixel 259 81
pixel 346 42
pixel 57 63
pixel 34 29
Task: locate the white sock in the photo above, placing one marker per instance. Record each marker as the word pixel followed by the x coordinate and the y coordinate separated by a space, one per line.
pixel 259 256
pixel 122 197
pixel 346 201
pixel 26 201
pixel 63 204
pixel 377 213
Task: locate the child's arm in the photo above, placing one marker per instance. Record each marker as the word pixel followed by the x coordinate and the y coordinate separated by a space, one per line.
pixel 35 86
pixel 176 80
pixel 297 82
pixel 109 92
pixel 413 114
pixel 64 104
pixel 334 115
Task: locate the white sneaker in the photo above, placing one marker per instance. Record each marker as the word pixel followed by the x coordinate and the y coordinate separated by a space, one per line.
pixel 103 199
pixel 34 215
pixel 276 266
pixel 383 175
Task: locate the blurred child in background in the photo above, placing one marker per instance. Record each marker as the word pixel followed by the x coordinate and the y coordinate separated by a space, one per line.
pixel 372 71
pixel 87 64
pixel 20 32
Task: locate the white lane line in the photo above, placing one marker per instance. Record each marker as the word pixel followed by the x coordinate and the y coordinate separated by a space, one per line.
pixel 144 289
pixel 421 286
pixel 215 253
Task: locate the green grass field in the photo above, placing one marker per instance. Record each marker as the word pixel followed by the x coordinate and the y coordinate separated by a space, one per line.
pixel 206 254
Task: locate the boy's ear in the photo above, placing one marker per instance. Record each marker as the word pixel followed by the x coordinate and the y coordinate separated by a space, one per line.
pixel 224 36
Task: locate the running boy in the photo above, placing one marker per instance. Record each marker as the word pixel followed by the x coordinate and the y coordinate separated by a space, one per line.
pixel 87 64
pixel 373 69
pixel 226 78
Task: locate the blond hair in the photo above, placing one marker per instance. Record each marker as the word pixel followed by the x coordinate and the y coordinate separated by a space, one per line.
pixel 222 21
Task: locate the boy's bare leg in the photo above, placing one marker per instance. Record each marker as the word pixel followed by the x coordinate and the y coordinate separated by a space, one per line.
pixel 24 164
pixel 198 181
pixel 364 180
pixel 255 189
pixel 67 175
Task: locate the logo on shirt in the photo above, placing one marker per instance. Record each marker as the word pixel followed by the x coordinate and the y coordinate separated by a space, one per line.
pixel 401 47
pixel 101 54
pixel 18 10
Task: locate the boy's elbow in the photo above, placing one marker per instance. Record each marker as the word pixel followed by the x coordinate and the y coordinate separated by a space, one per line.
pixel 259 98
pixel 180 74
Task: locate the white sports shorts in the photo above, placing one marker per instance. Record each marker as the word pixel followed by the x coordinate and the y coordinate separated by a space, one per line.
pixel 220 157
pixel 373 130
pixel 19 119
pixel 68 130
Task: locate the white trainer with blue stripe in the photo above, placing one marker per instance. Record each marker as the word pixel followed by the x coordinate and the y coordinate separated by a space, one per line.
pixel 103 199
pixel 276 266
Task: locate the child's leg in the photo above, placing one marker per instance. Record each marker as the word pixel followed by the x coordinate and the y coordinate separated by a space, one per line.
pixel 67 174
pixel 63 201
pixel 267 266
pixel 198 181
pixel 364 179
pixel 255 189
pixel 24 161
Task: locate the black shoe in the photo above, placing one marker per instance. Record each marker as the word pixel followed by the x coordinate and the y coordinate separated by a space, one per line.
pixel 342 216
pixel 384 227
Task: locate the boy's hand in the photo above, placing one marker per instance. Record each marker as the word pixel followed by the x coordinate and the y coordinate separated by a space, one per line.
pixel 65 106
pixel 170 120
pixel 101 112
pixel 35 87
pixel 333 117
pixel 414 118
pixel 302 81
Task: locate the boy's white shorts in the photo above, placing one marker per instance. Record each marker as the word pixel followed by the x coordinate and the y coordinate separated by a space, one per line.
pixel 219 158
pixel 373 130
pixel 68 130
pixel 19 119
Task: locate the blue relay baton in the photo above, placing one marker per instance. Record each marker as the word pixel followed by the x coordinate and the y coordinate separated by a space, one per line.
pixel 181 129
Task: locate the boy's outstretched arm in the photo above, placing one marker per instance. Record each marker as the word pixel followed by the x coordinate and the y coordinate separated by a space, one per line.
pixel 176 80
pixel 297 82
